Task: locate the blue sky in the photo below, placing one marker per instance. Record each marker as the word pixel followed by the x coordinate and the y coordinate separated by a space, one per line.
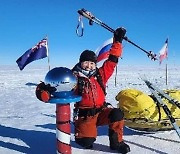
pixel 148 23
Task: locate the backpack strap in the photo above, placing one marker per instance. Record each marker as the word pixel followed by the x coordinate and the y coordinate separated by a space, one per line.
pixel 81 85
pixel 100 81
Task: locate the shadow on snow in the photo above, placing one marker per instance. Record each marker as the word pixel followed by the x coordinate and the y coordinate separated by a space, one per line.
pixel 37 141
pixel 45 142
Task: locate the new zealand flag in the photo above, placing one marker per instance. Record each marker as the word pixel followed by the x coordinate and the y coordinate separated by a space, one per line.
pixel 39 51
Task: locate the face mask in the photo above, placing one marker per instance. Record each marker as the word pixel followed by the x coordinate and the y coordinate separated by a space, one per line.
pixel 88 73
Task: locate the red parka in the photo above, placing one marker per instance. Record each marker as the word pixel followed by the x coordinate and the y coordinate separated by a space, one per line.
pixel 93 95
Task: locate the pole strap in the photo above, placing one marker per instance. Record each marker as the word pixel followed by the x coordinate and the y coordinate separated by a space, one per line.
pixel 80 27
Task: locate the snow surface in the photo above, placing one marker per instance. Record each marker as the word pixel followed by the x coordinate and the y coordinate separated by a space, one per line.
pixel 28 125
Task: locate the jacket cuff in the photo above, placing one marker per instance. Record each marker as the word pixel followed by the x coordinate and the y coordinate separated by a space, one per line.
pixel 113 58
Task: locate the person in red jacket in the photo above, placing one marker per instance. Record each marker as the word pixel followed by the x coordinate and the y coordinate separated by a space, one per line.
pixel 92 111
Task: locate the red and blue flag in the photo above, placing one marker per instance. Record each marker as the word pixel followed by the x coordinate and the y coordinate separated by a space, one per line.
pixel 39 51
pixel 103 51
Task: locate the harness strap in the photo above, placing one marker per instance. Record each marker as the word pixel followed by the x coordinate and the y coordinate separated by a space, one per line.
pixel 100 81
pixel 81 85
pixel 89 112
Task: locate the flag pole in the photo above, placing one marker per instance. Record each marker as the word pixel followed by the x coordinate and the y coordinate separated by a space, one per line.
pixel 115 80
pixel 49 63
pixel 48 54
pixel 162 55
pixel 167 62
pixel 166 74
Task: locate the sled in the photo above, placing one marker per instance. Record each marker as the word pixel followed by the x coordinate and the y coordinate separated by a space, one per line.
pixel 141 112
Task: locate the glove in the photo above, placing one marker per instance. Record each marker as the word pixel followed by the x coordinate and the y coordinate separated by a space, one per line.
pixel 119 34
pixel 43 92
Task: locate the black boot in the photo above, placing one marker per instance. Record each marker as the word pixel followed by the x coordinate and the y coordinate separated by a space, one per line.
pixel 121 147
pixel 85 142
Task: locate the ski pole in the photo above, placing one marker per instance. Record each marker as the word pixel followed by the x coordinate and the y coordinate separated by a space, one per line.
pixel 165 108
pixel 92 19
pixel 164 95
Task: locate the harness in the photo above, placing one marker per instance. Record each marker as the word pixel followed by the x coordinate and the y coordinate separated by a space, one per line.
pixel 81 84
pixel 89 112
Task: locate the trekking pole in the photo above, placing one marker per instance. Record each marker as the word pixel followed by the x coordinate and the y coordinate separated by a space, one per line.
pixel 92 19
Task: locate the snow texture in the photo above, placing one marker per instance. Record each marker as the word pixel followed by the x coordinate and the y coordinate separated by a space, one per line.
pixel 28 125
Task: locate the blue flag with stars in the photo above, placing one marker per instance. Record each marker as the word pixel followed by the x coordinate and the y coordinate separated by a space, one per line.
pixel 39 51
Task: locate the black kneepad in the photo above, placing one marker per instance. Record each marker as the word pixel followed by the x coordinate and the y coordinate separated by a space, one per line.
pixel 116 115
pixel 85 142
